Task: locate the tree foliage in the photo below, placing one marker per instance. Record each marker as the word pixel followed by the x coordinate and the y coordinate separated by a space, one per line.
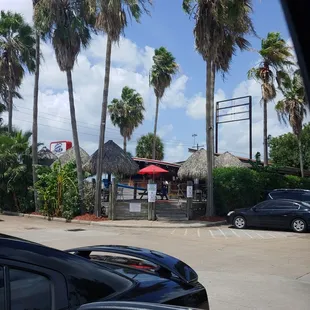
pixel 145 146
pixel 127 112
pixel 284 149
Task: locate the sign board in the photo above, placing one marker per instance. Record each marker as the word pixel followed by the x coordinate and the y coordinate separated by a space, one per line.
pixel 189 191
pixel 58 148
pixel 151 192
pixel 135 207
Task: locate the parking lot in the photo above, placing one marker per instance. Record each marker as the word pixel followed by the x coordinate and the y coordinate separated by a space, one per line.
pixel 241 269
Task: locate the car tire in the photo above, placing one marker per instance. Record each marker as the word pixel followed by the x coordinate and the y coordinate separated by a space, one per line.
pixel 239 222
pixel 299 225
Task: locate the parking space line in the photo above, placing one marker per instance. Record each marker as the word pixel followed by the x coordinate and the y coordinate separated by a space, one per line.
pixel 271 235
pixel 173 231
pixel 210 231
pixel 234 233
pixel 198 232
pixel 185 232
pixel 248 234
pixel 222 233
pixel 260 235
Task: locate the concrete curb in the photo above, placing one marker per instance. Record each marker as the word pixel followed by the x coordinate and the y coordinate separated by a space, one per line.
pixel 155 224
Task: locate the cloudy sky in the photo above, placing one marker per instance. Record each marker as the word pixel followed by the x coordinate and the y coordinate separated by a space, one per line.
pixel 182 110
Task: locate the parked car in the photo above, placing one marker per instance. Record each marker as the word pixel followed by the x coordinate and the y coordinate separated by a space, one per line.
pixel 275 213
pixel 295 194
pixel 33 276
pixel 124 305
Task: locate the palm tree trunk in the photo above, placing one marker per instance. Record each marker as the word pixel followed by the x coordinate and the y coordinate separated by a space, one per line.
pixel 76 141
pixel 125 144
pixel 102 127
pixel 301 162
pixel 265 134
pixel 155 129
pixel 35 121
pixel 209 181
pixel 10 105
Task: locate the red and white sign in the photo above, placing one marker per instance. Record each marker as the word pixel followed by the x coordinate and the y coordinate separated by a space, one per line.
pixel 60 147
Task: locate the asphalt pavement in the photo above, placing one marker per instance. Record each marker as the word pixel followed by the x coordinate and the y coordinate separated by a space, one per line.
pixel 241 269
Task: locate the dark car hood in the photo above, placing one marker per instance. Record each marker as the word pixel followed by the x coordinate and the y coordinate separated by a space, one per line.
pixel 242 209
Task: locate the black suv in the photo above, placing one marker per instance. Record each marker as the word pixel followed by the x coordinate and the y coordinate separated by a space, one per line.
pixel 295 194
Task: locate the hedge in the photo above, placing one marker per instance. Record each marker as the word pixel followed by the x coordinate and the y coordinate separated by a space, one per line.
pixel 242 187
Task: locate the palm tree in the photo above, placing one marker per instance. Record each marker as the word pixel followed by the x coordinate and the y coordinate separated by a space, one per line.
pixel 67 25
pixel 112 16
pixel 127 113
pixel 162 71
pixel 17 54
pixel 292 107
pixel 35 112
pixel 144 148
pixel 275 56
pixel 220 29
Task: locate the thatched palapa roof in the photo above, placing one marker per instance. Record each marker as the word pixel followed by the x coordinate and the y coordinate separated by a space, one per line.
pixel 229 160
pixel 46 157
pixel 69 156
pixel 115 161
pixel 195 167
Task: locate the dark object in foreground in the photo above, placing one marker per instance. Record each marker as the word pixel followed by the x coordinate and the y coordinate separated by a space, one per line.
pixel 33 276
pixel 124 305
pixel 277 213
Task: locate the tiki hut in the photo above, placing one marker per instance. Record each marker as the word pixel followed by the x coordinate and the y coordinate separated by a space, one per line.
pixel 46 157
pixel 195 167
pixel 115 161
pixel 229 160
pixel 69 156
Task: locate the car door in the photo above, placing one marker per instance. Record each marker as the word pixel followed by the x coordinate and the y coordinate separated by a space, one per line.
pixel 26 286
pixel 283 214
pixel 263 212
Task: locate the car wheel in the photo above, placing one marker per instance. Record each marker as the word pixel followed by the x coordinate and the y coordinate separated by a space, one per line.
pixel 239 222
pixel 299 225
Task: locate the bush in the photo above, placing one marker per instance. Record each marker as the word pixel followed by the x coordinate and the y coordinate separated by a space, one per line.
pixel 242 187
pixel 89 197
pixel 235 188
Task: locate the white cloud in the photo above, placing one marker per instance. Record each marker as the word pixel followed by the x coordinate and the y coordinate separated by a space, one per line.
pixel 164 130
pixel 196 108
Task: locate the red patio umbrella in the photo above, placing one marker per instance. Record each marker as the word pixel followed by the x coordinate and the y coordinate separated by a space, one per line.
pixel 152 169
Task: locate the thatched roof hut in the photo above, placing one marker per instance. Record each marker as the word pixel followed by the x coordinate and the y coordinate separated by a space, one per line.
pixel 195 167
pixel 69 156
pixel 115 161
pixel 229 160
pixel 46 157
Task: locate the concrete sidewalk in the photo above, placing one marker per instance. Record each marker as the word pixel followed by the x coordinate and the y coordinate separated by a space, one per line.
pixel 128 223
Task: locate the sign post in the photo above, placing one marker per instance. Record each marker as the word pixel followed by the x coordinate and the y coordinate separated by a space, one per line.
pixel 151 198
pixel 189 200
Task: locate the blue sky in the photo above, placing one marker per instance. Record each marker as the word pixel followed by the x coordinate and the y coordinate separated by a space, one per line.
pixel 182 109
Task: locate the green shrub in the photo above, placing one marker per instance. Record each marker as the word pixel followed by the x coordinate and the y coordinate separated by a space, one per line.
pixel 293 181
pixel 89 197
pixel 235 188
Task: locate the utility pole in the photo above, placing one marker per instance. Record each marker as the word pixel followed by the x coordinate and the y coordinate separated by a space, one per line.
pixel 198 146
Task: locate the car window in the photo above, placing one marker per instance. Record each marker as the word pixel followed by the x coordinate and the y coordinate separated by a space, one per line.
pixel 278 195
pixel 287 205
pixel 305 196
pixel 29 290
pixel 264 205
pixel 1 288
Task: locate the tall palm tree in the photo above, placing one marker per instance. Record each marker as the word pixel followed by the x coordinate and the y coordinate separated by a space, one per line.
pixel 275 57
pixel 17 54
pixel 292 107
pixel 112 16
pixel 66 23
pixel 127 113
pixel 220 28
pixel 162 71
pixel 35 112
